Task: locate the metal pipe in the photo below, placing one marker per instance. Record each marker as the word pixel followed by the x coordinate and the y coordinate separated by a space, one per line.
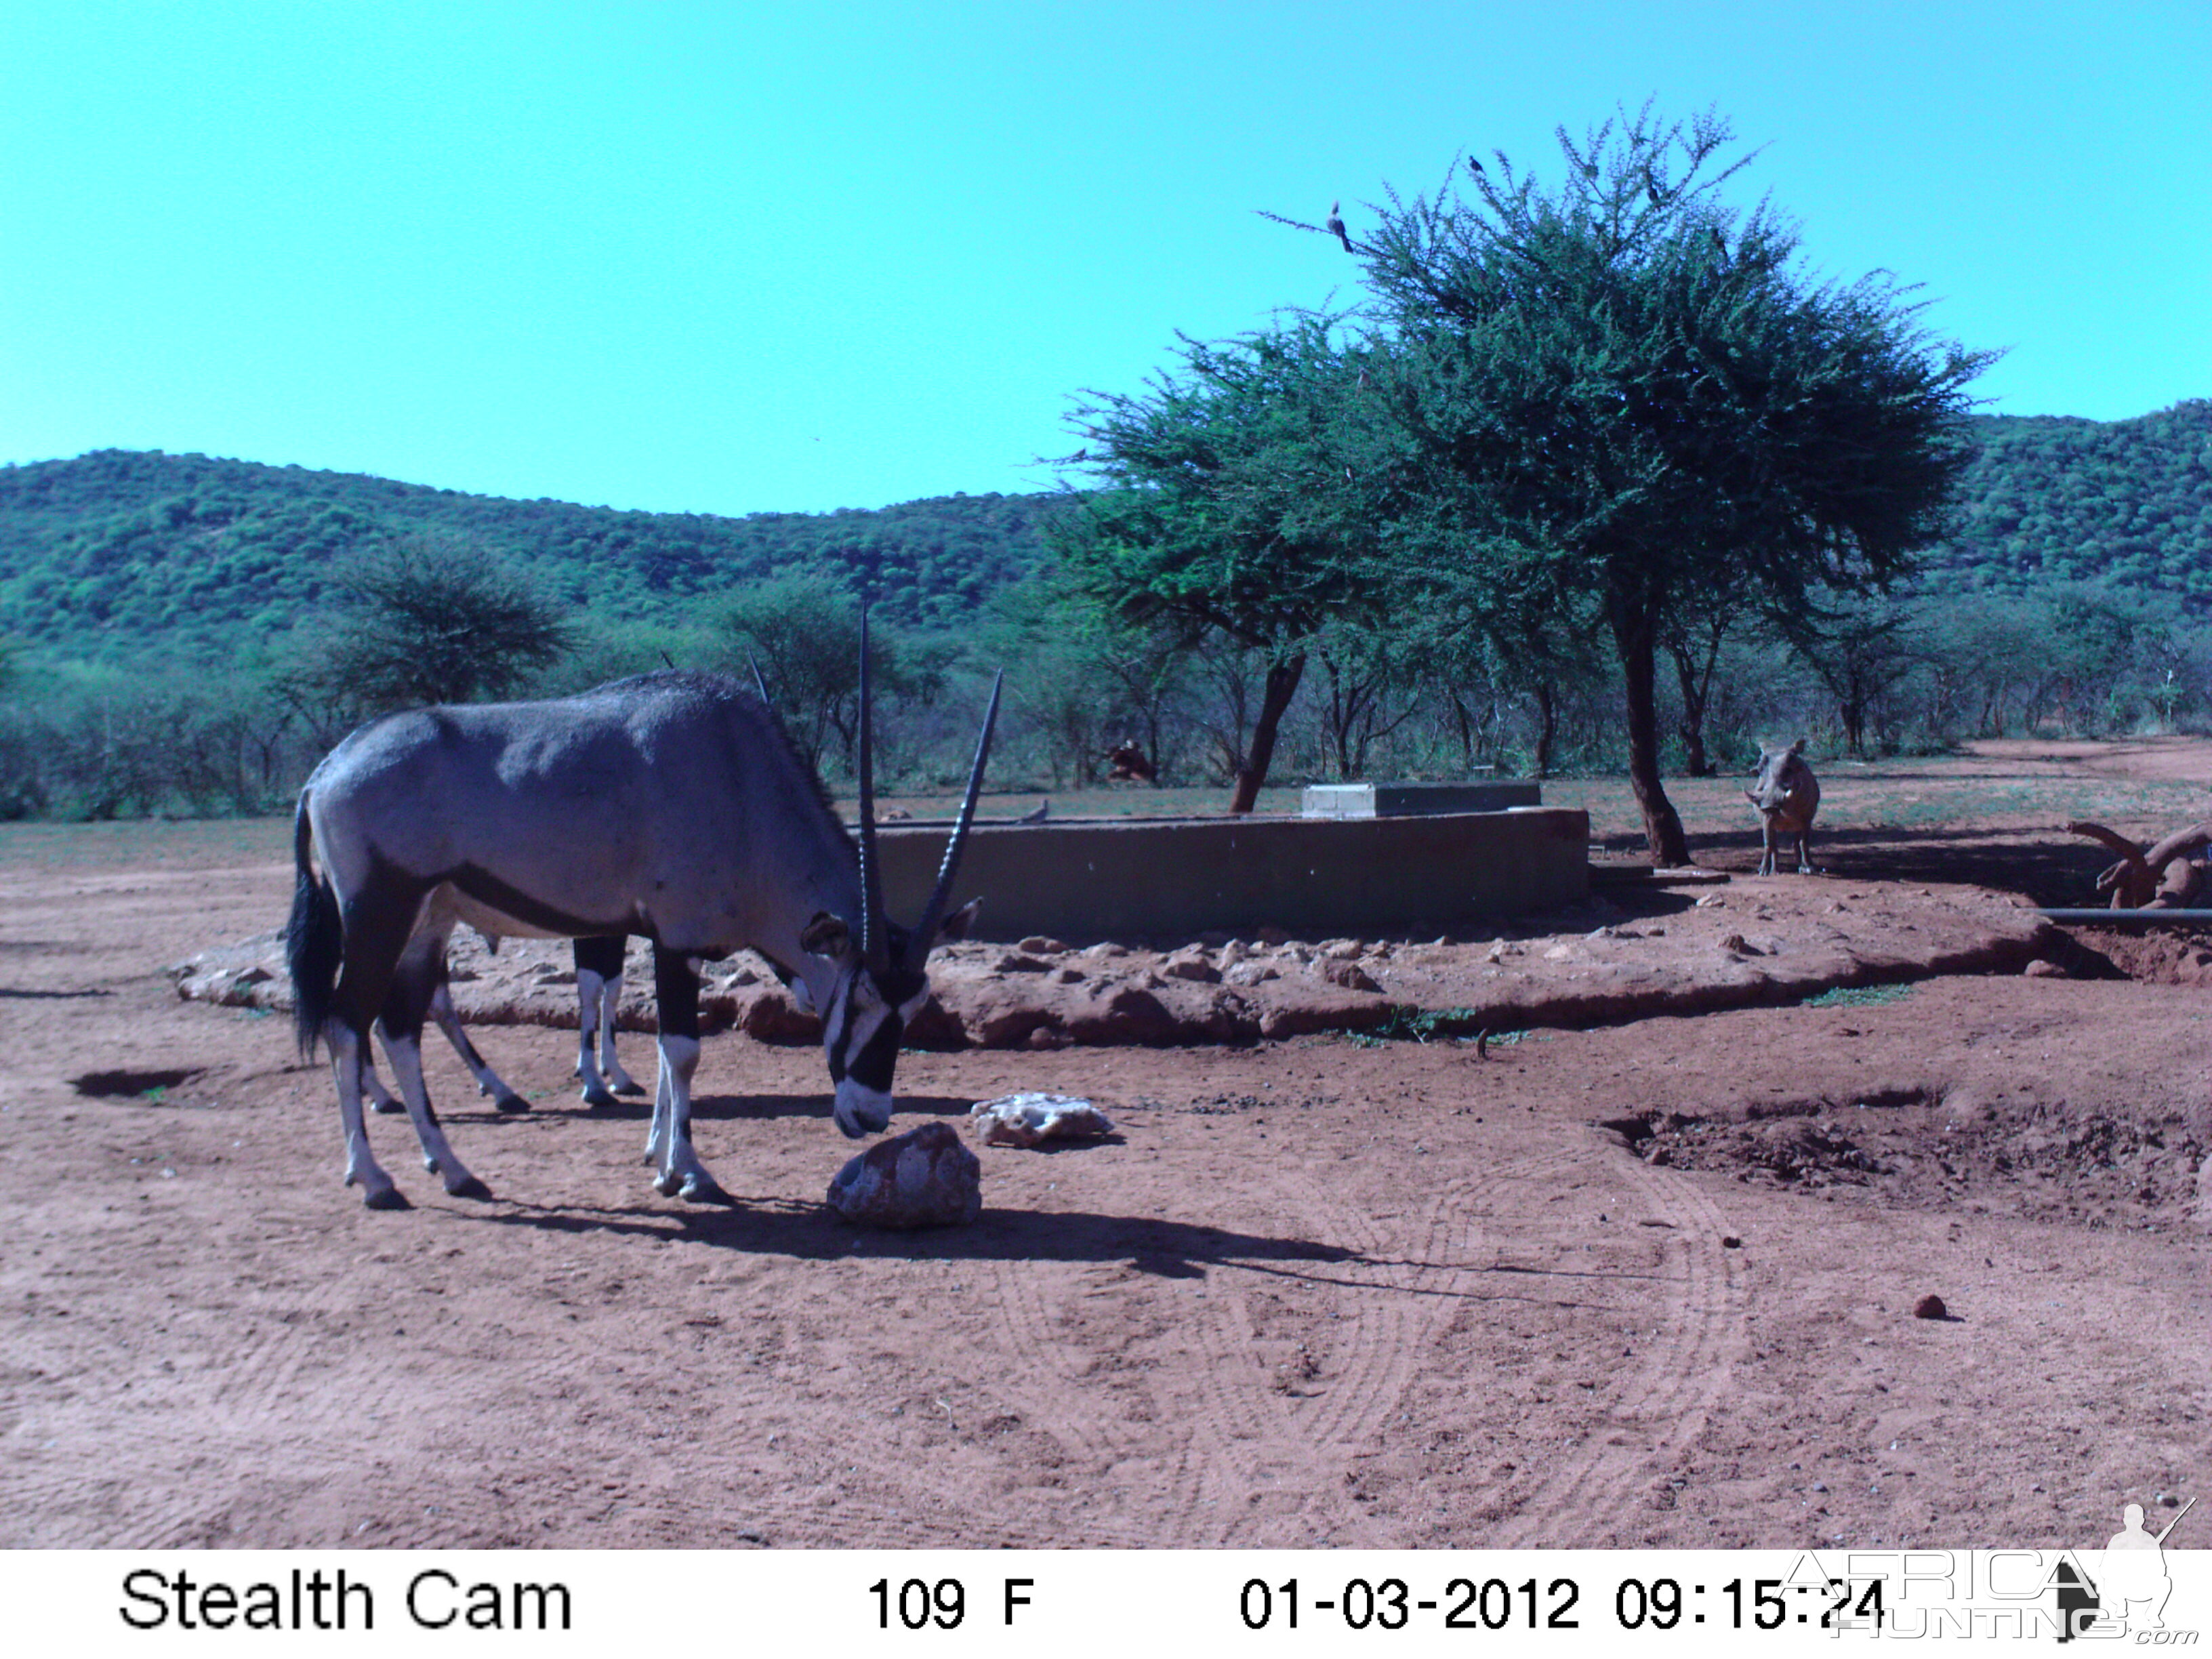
pixel 2084 918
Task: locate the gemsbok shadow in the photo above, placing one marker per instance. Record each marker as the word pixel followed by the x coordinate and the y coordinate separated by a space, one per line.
pixel 1149 1246
pixel 782 1226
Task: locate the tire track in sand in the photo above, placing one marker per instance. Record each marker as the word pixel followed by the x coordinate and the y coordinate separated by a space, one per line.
pixel 1233 1452
pixel 1661 1404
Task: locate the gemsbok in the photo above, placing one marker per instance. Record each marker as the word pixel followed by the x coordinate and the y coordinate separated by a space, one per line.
pixel 670 806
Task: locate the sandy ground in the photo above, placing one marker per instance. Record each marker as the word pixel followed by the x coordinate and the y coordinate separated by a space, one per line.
pixel 1649 1281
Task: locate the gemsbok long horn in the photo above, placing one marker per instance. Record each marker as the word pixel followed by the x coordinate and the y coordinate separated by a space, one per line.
pixel 933 912
pixel 875 941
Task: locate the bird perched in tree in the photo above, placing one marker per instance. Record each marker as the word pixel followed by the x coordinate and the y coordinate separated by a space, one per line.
pixel 1720 242
pixel 1334 225
pixel 1475 167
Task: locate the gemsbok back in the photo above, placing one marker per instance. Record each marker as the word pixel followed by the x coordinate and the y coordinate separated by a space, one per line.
pixel 670 806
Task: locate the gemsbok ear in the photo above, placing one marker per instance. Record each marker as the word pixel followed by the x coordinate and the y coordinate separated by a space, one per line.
pixel 825 936
pixel 1798 747
pixel 956 925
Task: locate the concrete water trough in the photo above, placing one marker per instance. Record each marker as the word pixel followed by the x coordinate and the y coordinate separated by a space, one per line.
pixel 1081 879
pixel 1407 800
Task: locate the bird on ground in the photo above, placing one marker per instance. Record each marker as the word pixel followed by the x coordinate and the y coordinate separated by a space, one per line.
pixel 1043 810
pixel 1334 225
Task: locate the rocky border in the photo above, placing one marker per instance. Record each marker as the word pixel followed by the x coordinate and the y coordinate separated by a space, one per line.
pixel 1756 942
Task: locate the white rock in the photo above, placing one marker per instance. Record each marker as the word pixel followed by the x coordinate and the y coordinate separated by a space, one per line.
pixel 1029 1118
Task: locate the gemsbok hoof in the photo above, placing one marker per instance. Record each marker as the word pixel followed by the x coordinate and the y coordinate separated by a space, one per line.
pixel 633 1087
pixel 472 1188
pixel 599 1100
pixel 386 1197
pixel 705 1189
pixel 510 1101
pixel 385 1107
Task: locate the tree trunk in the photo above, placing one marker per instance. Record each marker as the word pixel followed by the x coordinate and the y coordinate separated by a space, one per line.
pixel 1853 711
pixel 1547 726
pixel 1633 635
pixel 1466 729
pixel 1282 686
pixel 1697 694
pixel 1340 715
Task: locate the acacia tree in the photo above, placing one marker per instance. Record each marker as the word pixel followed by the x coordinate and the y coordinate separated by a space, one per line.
pixel 1862 649
pixel 802 633
pixel 424 620
pixel 1621 393
pixel 1373 678
pixel 1239 498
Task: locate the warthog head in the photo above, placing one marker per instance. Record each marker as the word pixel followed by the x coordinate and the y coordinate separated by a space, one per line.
pixel 1785 795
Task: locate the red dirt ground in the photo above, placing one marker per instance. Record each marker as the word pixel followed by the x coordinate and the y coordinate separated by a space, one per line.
pixel 1651 1282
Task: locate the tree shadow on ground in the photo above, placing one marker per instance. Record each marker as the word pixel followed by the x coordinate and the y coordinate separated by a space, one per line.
pixel 2050 869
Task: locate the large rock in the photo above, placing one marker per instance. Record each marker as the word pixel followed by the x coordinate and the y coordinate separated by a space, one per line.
pixel 925 1178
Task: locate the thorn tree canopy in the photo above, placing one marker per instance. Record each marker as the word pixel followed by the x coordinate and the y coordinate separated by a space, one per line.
pixel 433 620
pixel 1244 495
pixel 1616 385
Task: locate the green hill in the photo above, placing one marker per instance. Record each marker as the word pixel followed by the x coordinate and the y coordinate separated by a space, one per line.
pixel 118 553
pixel 2049 499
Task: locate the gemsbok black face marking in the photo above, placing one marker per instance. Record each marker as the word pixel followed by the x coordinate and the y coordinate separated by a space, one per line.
pixel 670 806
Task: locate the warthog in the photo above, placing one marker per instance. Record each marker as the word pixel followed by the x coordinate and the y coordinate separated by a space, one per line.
pixel 1786 796
pixel 1130 765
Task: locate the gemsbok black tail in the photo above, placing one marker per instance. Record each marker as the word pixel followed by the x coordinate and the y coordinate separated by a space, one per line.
pixel 314 940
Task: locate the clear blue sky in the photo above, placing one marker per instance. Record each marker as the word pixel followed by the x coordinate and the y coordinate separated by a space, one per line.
pixel 733 259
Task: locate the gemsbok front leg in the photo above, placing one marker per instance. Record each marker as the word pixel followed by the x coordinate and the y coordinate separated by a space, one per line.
pixel 675 987
pixel 598 996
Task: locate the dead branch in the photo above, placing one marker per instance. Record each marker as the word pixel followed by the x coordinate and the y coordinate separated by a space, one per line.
pixel 2164 876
